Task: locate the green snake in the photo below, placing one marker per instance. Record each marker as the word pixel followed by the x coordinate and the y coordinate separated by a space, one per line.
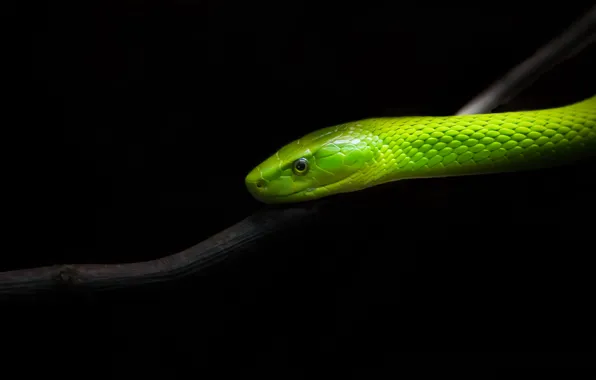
pixel 360 154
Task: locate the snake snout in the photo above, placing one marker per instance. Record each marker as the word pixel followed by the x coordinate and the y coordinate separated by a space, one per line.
pixel 255 184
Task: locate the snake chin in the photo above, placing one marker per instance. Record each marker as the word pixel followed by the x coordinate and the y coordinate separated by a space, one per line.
pixel 312 193
pixel 298 196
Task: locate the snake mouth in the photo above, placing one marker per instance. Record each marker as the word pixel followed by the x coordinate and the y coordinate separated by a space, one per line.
pixel 298 196
pixel 313 193
pixel 258 189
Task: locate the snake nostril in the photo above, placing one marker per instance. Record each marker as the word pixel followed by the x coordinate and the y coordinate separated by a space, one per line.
pixel 260 184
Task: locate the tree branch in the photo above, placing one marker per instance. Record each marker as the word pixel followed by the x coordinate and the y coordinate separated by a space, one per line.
pixel 572 41
pixel 188 262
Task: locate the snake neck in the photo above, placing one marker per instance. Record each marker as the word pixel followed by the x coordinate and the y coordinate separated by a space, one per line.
pixel 417 147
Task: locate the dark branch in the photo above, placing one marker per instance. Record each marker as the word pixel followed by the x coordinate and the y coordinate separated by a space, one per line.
pixel 575 39
pixel 190 261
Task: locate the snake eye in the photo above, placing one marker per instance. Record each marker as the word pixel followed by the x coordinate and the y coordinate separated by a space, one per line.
pixel 300 166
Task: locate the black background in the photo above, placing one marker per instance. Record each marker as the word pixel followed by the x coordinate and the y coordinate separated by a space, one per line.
pixel 142 119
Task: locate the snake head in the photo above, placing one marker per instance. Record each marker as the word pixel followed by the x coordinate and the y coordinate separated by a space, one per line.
pixel 321 163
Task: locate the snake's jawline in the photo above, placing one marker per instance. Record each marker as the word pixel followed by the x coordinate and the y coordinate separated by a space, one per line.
pixel 290 198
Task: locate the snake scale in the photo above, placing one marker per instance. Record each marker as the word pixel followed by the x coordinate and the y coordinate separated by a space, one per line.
pixel 357 155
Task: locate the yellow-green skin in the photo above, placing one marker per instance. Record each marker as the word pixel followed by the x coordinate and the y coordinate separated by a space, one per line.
pixel 360 154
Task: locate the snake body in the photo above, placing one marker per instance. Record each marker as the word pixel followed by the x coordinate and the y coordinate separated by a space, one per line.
pixel 360 154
